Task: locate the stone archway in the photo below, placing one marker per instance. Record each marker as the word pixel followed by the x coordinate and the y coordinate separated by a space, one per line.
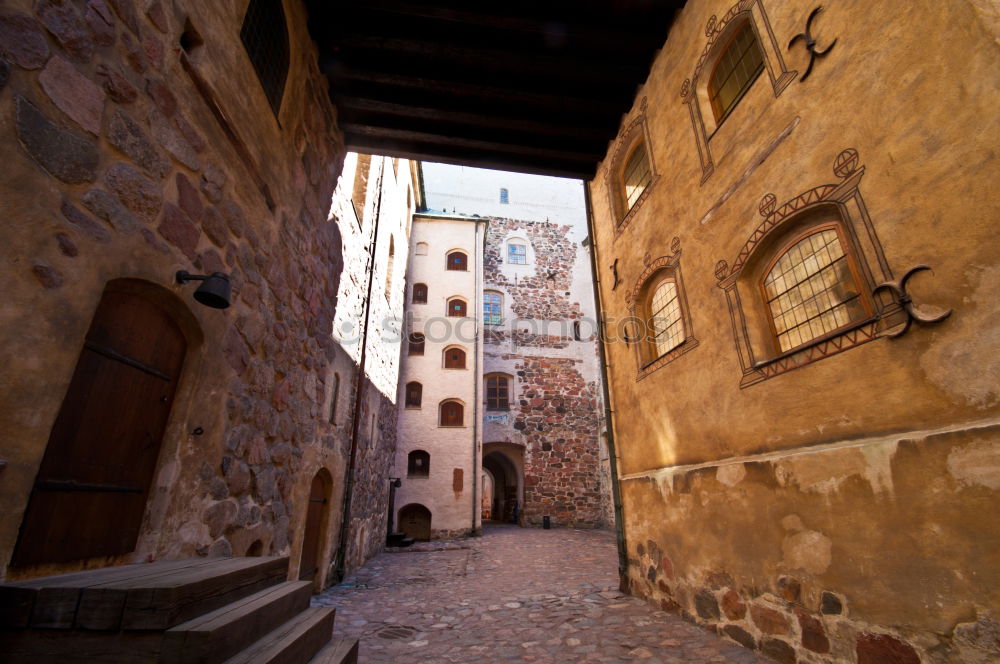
pixel 505 463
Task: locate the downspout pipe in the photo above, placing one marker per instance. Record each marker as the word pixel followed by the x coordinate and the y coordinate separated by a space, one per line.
pixel 345 521
pixel 476 409
pixel 605 387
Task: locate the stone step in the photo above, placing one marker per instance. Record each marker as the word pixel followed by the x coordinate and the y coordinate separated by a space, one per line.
pixel 153 596
pixel 224 632
pixel 339 651
pixel 297 641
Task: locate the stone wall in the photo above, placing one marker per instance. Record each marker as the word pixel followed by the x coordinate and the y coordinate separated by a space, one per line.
pixel 835 503
pixel 140 142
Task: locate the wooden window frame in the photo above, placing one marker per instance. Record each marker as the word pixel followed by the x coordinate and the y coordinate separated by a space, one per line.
pixel 416 346
pixel 507 387
pixel 720 115
pixel 441 418
pixel 631 136
pixel 465 308
pixel 464 261
pixel 489 318
pixel 451 349
pixel 419 295
pixel 524 254
pixel 418 402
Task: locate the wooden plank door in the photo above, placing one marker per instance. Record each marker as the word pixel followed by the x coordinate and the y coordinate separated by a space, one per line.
pixel 91 489
pixel 315 517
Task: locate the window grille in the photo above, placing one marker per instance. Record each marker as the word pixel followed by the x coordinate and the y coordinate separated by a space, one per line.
pixel 517 254
pixel 492 308
pixel 265 37
pixel 736 69
pixel 666 325
pixel 636 176
pixel 497 393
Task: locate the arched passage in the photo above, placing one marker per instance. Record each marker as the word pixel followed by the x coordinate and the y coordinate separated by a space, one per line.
pixel 505 463
pixel 316 518
pixel 415 521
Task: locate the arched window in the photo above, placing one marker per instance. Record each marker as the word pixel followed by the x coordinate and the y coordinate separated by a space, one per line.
pixel 497 392
pixel 419 293
pixel 414 394
pixel 735 70
pixel 517 253
pixel 665 322
pixel 416 346
pixel 456 307
pixel 421 249
pixel 418 464
pixel 265 37
pixel 811 288
pixel 333 398
pixel 636 175
pixel 454 358
pixel 492 308
pixel 389 265
pixel 452 414
pixel 457 260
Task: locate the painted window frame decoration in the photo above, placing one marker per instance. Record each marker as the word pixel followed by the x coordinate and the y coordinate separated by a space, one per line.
pixel 830 206
pixel 638 299
pixel 634 134
pixel 694 90
pixel 492 308
pixel 457 261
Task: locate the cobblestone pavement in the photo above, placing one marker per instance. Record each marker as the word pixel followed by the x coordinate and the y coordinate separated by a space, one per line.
pixel 514 595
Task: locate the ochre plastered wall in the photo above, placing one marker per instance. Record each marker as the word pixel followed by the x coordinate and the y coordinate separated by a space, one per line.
pixel 842 510
pixel 154 184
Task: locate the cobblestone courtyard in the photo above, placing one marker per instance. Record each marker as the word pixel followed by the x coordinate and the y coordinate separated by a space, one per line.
pixel 514 595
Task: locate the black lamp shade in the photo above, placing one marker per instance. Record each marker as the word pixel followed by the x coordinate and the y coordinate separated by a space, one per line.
pixel 214 291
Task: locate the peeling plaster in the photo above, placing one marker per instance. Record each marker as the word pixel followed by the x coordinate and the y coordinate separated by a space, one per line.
pixel 809 550
pixel 976 464
pixel 731 474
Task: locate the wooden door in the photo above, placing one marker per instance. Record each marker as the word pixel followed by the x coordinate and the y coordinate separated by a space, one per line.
pixel 415 521
pixel 315 517
pixel 90 493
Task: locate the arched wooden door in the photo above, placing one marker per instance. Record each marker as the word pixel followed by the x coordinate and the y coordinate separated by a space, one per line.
pixel 415 521
pixel 315 518
pixel 90 493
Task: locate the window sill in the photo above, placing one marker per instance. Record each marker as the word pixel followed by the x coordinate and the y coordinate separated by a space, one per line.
pixel 412 408
pixel 418 477
pixel 452 426
pixel 682 348
pixel 455 369
pixel 815 342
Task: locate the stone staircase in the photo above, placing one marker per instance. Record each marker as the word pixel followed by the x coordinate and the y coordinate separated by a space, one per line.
pixel 200 611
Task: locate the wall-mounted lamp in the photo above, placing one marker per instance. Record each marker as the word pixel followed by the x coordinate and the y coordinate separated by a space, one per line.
pixel 214 290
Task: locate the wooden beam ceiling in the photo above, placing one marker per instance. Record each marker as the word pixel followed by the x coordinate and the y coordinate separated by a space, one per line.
pixel 537 87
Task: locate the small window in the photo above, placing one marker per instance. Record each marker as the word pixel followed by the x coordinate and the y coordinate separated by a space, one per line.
pixel 390 261
pixel 497 392
pixel 811 290
pixel 421 249
pixel 333 398
pixel 456 307
pixel 492 308
pixel 636 175
pixel 736 69
pixel 576 330
pixel 418 464
pixel 419 293
pixel 414 394
pixel 452 414
pixel 265 37
pixel 504 196
pixel 457 260
pixel 666 325
pixel 454 358
pixel 416 346
pixel 517 254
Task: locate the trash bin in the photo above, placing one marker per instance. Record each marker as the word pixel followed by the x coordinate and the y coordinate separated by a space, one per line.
pixel 546 522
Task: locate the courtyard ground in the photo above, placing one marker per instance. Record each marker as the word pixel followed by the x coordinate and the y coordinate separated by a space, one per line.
pixel 514 595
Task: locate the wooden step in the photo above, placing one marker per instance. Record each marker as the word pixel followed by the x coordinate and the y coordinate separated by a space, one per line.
pixel 153 596
pixel 339 651
pixel 224 632
pixel 297 641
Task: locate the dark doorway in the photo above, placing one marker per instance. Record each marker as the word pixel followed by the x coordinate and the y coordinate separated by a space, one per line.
pixel 90 493
pixel 415 521
pixel 506 484
pixel 316 514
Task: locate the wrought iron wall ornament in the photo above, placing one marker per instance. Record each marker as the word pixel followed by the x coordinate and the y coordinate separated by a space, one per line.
pixel 914 312
pixel 614 272
pixel 811 43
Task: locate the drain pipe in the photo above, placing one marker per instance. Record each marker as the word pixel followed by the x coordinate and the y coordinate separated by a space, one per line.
pixel 477 380
pixel 345 522
pixel 606 390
